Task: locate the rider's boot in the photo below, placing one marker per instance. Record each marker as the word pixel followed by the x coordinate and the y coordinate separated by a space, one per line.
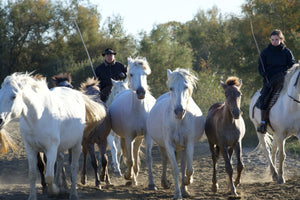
pixel 262 127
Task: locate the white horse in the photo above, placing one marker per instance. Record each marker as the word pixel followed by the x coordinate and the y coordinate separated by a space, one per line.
pixel 129 111
pixel 113 139
pixel 175 123
pixel 50 122
pixel 284 120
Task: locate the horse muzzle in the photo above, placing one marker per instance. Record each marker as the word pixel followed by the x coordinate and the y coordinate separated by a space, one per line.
pixel 140 92
pixel 179 113
pixel 236 113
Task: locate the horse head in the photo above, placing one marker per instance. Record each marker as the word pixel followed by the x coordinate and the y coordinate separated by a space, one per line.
pixel 62 80
pixel 11 97
pixel 233 95
pixel 181 84
pixel 291 84
pixel 138 71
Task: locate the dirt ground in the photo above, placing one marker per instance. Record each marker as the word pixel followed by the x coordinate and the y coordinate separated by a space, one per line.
pixel 255 182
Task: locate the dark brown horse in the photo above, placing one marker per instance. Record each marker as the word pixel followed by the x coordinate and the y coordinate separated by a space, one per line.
pixel 98 136
pixel 225 128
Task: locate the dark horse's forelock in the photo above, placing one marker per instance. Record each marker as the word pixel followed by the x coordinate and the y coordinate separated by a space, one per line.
pixel 232 81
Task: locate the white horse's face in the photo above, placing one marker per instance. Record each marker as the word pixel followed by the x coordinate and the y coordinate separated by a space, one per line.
pixel 119 85
pixel 138 81
pixel 180 93
pixel 294 86
pixel 11 104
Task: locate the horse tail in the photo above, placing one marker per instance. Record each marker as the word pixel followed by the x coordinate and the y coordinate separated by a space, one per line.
pixel 95 113
pixel 6 142
pixel 268 140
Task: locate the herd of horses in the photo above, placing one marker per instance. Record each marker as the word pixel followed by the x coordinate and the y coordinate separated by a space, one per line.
pixel 60 119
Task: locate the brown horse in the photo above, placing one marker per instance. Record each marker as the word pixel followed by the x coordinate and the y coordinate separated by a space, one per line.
pixel 225 128
pixel 98 136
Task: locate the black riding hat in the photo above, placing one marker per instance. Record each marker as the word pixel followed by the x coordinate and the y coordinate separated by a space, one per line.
pixel 108 51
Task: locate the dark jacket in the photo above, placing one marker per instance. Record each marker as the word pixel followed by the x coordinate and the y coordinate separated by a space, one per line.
pixel 276 59
pixel 105 72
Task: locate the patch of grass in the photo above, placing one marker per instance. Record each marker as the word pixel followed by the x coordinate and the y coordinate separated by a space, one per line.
pixel 292 145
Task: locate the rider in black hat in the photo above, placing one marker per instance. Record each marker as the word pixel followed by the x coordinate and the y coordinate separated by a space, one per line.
pixel 109 69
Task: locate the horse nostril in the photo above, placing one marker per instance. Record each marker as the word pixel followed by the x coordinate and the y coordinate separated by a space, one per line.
pixel 1 121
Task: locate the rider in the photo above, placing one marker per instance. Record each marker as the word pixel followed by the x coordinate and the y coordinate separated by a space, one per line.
pixel 274 62
pixel 109 69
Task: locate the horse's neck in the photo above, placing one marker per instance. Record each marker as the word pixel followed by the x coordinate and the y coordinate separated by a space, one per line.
pixel 227 113
pixel 33 105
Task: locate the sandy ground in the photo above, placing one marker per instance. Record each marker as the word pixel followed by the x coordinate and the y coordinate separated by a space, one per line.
pixel 255 183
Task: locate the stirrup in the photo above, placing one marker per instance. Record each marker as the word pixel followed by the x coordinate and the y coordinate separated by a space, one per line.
pixel 262 128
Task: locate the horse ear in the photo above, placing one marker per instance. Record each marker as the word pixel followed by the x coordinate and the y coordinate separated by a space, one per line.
pixel 240 83
pixel 169 72
pixel 223 85
pixel 129 59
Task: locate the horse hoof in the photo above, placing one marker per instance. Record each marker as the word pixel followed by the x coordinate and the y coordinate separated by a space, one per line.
pixel 215 188
pixel 128 183
pixel 83 181
pixel 166 184
pixel 275 176
pixel 118 174
pixel 152 187
pixel 281 181
pixel 185 193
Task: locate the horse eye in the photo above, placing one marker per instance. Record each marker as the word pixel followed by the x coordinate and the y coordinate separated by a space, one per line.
pixel 171 89
pixel 13 97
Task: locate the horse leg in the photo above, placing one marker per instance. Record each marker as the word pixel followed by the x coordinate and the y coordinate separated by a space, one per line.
pixel 274 153
pixel 149 144
pixel 214 155
pixel 228 168
pixel 32 167
pixel 129 162
pixel 188 179
pixel 60 177
pixel 74 168
pixel 172 157
pixel 165 183
pixel 51 155
pixel 136 158
pixel 114 154
pixel 104 162
pixel 83 172
pixel 182 155
pixel 91 150
pixel 240 164
pixel 41 167
pixel 281 158
pixel 262 139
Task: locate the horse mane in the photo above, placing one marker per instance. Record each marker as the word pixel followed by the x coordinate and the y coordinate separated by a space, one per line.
pixel 88 83
pixel 179 73
pixel 60 78
pixel 232 81
pixel 20 80
pixel 288 77
pixel 141 62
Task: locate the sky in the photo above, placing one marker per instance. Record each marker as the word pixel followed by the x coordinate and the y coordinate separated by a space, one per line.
pixel 142 15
